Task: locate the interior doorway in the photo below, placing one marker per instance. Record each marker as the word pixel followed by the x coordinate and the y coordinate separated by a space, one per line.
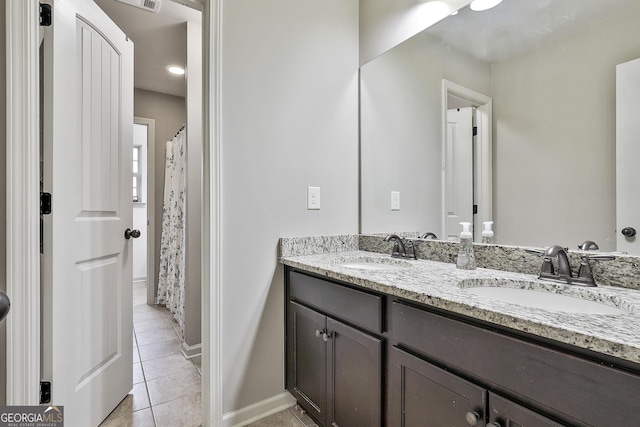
pixel 144 130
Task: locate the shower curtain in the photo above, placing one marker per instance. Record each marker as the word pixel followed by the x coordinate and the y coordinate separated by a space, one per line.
pixel 171 278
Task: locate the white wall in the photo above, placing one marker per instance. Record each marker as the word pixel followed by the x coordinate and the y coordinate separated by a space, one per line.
pixel 289 116
pixel 401 127
pixel 554 167
pixel 385 24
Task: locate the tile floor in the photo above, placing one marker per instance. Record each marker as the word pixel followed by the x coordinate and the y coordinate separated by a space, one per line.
pixel 166 386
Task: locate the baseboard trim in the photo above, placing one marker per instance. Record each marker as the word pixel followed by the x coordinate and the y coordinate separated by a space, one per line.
pixel 259 410
pixel 139 279
pixel 190 351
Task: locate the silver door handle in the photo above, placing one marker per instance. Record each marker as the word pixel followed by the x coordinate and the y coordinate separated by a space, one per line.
pixel 5 305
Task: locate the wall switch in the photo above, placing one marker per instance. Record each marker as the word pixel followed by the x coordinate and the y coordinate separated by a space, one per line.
pixel 313 198
pixel 395 200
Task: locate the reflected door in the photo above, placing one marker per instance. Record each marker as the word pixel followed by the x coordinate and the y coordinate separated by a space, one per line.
pixel 627 156
pixel 458 171
pixel 86 267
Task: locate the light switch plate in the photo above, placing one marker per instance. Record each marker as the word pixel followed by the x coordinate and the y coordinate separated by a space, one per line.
pixel 313 198
pixel 395 200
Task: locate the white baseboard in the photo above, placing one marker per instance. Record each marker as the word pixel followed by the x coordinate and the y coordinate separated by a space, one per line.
pixel 259 410
pixel 139 279
pixel 189 351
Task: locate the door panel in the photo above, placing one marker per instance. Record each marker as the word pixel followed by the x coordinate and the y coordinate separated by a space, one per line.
pixel 509 414
pixel 309 377
pixel 86 265
pixel 458 171
pixel 627 153
pixel 424 395
pixel 355 377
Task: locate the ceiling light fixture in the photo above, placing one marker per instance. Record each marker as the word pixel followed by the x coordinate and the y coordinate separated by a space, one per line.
pixel 175 70
pixel 480 5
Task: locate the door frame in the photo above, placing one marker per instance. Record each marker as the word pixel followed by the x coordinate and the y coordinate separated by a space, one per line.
pixel 483 187
pixel 23 210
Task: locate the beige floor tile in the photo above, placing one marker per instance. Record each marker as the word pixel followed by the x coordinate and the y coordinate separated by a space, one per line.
pixel 158 335
pixel 280 419
pixel 138 376
pixel 184 412
pixel 197 361
pixel 142 418
pixel 164 366
pixel 140 308
pixel 159 349
pixel 145 316
pixel 136 400
pixel 136 355
pixel 183 384
pixel 153 325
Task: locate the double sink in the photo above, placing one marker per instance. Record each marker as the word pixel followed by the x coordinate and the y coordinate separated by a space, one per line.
pixel 527 293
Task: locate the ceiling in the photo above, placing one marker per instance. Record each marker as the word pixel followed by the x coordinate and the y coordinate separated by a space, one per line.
pixel 159 39
pixel 515 26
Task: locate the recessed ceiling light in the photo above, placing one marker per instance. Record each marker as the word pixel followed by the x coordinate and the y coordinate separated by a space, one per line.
pixel 480 5
pixel 176 70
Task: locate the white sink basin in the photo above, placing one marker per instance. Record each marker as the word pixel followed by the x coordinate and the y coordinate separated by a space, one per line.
pixel 374 264
pixel 549 299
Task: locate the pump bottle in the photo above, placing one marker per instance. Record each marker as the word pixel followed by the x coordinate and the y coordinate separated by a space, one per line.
pixel 466 259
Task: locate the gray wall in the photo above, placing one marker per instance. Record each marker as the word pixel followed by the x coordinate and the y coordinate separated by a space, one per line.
pixel 289 117
pixel 401 127
pixel 3 202
pixel 554 137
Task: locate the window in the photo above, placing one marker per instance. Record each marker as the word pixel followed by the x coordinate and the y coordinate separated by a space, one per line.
pixel 137 175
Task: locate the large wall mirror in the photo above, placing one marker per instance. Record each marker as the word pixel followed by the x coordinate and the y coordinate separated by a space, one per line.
pixel 549 67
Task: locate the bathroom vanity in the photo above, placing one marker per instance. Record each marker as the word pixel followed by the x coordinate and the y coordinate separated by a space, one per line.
pixel 403 343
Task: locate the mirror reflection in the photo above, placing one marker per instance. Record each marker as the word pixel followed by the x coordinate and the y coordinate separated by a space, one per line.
pixel 549 67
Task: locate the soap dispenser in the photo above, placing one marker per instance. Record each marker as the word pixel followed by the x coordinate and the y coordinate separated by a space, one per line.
pixel 487 233
pixel 466 259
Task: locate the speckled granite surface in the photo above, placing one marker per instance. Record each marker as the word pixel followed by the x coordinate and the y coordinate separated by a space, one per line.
pixel 442 285
pixel 292 246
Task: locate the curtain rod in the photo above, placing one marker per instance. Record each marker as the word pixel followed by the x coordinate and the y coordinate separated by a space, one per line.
pixel 184 125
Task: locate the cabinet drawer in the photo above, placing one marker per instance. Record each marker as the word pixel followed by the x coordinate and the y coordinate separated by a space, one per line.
pixel 357 307
pixel 571 388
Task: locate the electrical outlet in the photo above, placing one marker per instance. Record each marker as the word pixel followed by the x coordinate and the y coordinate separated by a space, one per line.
pixel 313 198
pixel 395 200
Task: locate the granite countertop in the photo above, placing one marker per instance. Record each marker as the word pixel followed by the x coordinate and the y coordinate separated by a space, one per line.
pixel 442 285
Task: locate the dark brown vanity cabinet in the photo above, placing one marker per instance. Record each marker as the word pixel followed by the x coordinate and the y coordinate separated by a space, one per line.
pixel 334 369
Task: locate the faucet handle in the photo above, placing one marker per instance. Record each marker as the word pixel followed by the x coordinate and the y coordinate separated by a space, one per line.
pixel 585 275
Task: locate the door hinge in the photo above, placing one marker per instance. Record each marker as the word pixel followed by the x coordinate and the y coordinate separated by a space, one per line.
pixel 45 203
pixel 45 392
pixel 475 209
pixel 475 130
pixel 45 15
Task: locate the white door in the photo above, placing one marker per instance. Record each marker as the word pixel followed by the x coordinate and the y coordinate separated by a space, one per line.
pixel 86 265
pixel 627 155
pixel 458 171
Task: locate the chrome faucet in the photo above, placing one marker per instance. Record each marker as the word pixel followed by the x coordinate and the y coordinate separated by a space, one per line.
pixel 399 248
pixel 588 245
pixel 428 235
pixel 584 276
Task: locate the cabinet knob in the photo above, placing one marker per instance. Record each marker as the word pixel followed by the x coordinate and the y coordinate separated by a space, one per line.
pixel 472 418
pixel 494 424
pixel 326 336
pixel 318 333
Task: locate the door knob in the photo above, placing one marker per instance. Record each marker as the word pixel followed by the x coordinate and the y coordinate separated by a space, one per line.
pixel 5 305
pixel 129 233
pixel 628 231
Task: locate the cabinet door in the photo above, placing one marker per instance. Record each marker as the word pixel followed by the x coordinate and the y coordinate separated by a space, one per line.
pixel 425 395
pixel 355 377
pixel 307 360
pixel 505 413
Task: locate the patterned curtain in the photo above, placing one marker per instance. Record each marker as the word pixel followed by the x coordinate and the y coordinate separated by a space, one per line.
pixel 171 278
